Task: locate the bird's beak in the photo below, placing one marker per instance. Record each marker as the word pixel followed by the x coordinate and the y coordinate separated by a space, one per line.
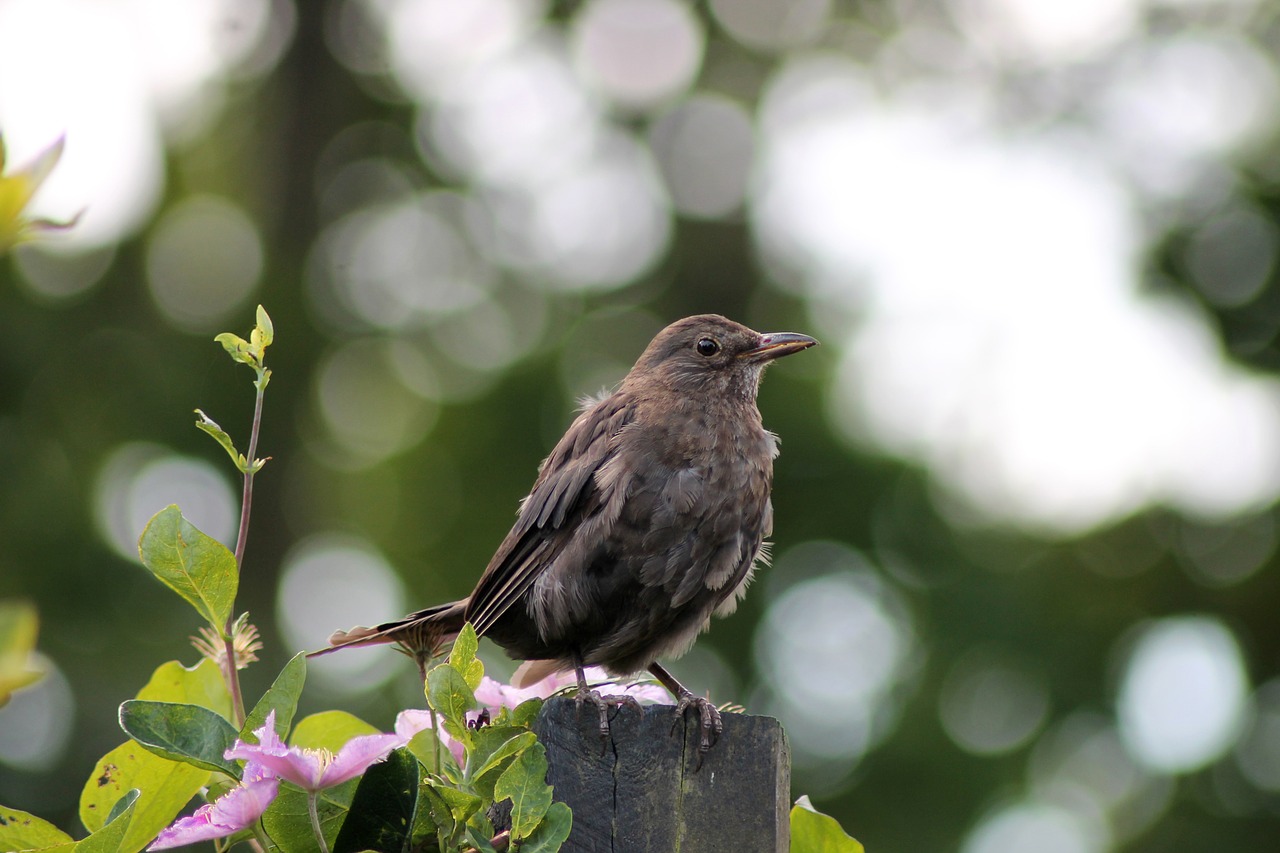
pixel 777 344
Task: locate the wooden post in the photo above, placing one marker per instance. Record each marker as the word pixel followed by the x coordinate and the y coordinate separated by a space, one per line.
pixel 642 793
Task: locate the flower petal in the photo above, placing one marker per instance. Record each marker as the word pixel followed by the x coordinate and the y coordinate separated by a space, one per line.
pixel 497 695
pixel 301 767
pixel 233 811
pixel 246 802
pixel 411 721
pixel 356 756
pixel 189 830
pixel 414 720
pixel 266 733
pixel 456 747
pixel 39 168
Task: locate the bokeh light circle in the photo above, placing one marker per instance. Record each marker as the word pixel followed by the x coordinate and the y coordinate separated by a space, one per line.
pixel 704 147
pixel 1258 752
pixel 1228 552
pixel 1183 696
pixel 329 582
pixel 401 264
pixel 63 274
pixel 637 52
pixel 1081 762
pixel 35 727
pixel 204 259
pixel 603 226
pixel 430 43
pixel 840 638
pixel 376 398
pixel 1042 827
pixel 770 25
pixel 1231 256
pixel 138 480
pixel 992 702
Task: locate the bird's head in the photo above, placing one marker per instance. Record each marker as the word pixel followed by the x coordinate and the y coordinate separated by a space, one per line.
pixel 713 354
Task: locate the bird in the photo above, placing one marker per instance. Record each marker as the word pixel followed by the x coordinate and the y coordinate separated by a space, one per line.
pixel 648 518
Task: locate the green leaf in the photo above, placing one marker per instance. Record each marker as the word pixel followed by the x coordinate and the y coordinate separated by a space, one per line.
pixel 210 426
pixel 288 822
pixel 253 351
pixel 181 732
pixel 200 685
pixel 264 326
pixel 461 804
pixel 462 656
pixel 551 833
pixel 814 832
pixel 18 627
pixel 478 836
pixel 167 787
pixel 329 730
pixel 238 348
pixel 281 697
pixel 423 745
pixel 197 567
pixel 425 813
pixel 494 745
pixel 116 835
pixel 451 696
pixel 434 816
pixel 22 831
pixel 525 713
pixel 525 783
pixel 382 810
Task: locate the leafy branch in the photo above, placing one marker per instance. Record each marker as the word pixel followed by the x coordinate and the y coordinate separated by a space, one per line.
pixel 328 781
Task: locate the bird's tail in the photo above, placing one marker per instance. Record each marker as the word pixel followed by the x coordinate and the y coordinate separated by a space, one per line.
pixel 423 633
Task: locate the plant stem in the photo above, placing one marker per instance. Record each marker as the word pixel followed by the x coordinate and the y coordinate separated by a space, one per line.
pixel 246 499
pixel 315 821
pixel 259 842
pixel 232 675
pixel 242 536
pixel 435 742
pixel 435 720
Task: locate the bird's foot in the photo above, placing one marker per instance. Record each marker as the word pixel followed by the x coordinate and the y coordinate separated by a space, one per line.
pixel 602 704
pixel 709 724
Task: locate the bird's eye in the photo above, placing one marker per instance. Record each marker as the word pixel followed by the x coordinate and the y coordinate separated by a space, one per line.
pixel 708 347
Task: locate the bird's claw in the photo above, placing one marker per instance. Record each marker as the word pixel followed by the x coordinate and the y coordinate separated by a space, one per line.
pixel 602 704
pixel 709 724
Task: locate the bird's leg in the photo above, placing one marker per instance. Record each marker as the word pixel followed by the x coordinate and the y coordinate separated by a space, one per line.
pixel 586 694
pixel 709 722
pixel 602 703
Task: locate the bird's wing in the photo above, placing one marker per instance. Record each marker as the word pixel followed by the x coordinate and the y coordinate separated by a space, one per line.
pixel 566 491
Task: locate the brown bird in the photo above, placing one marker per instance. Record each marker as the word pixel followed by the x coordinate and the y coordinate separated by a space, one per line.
pixel 648 517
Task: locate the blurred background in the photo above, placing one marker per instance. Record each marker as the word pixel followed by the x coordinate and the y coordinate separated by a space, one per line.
pixel 1025 582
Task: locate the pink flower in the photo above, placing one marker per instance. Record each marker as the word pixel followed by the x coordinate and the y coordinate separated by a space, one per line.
pixel 235 810
pixel 315 769
pixel 414 720
pixel 494 696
